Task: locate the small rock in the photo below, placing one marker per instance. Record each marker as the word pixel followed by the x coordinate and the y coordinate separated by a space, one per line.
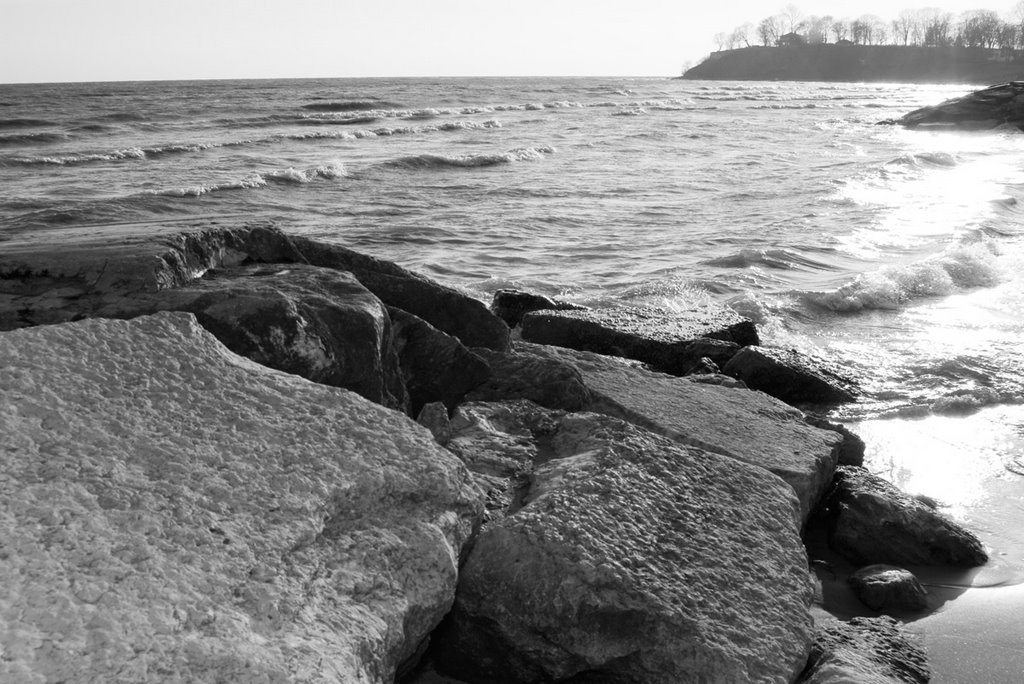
pixel 434 417
pixel 887 588
pixel 871 521
pixel 512 305
pixel 788 375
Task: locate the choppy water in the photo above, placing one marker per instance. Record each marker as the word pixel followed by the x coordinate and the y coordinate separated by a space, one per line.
pixel 898 253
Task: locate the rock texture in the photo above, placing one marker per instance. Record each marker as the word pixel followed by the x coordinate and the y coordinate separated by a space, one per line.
pixel 994 106
pixel 871 521
pixel 866 651
pixel 511 305
pixel 735 422
pixel 525 373
pixel 634 559
pixel 790 376
pixel 174 512
pixel 887 588
pixel 671 341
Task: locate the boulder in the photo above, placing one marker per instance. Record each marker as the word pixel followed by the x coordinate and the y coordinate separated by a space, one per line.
pixel 525 374
pixel 511 305
pixel 172 511
pixel 444 308
pixel 868 650
pixel 634 559
pixel 871 521
pixel 747 426
pixel 788 375
pixel 435 365
pixel 317 323
pixel 671 341
pixel 434 417
pixel 990 107
pixel 888 589
pixel 852 449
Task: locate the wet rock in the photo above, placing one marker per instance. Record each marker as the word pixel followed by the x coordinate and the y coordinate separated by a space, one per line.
pixel 524 374
pixel 888 589
pixel 170 507
pixel 634 559
pixel 443 307
pixel 511 305
pixel 790 376
pixel 994 106
pixel 875 650
pixel 747 426
pixel 871 521
pixel 670 341
pixel 851 451
pixel 435 366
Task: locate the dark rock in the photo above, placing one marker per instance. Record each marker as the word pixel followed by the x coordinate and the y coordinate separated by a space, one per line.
pixel 434 417
pixel 435 366
pixel 790 376
pixel 851 451
pixel 523 374
pixel 871 521
pixel 443 307
pixel 888 589
pixel 993 106
pixel 511 305
pixel 670 341
pixel 632 559
pixel 875 650
pixel 317 323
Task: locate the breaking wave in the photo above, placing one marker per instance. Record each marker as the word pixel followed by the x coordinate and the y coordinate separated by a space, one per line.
pixel 438 161
pixel 962 267
pixel 32 138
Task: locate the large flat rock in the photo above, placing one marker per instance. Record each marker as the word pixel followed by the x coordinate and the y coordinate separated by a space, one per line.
pixel 174 512
pixel 671 341
pixel 748 426
pixel 632 559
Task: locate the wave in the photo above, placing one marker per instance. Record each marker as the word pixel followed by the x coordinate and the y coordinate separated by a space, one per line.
pixel 962 267
pixel 438 161
pixel 255 181
pixel 347 106
pixel 301 177
pixel 32 138
pixel 925 159
pixel 781 259
pixel 24 123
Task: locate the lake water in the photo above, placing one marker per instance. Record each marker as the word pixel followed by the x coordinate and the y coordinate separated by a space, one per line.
pixel 899 254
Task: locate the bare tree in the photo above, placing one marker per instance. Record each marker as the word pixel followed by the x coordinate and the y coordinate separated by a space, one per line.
pixel 741 35
pixel 769 30
pixel 815 29
pixel 841 29
pixel 938 28
pixel 902 25
pixel 720 40
pixel 979 28
pixel 791 16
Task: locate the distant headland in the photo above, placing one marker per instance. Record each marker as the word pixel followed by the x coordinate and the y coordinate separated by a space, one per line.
pixel 918 46
pixel 847 62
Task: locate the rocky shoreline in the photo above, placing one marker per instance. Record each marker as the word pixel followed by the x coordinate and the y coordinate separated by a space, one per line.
pixel 231 454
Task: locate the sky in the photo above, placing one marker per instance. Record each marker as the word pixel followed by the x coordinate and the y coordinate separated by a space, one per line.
pixel 112 40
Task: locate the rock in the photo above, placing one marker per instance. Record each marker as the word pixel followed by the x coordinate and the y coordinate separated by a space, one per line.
pixel 868 650
pixel 634 559
pixel 790 376
pixel 175 512
pixel 511 305
pixel 317 323
pixel 443 307
pixel 523 374
pixel 871 521
pixel 988 108
pixel 747 426
pixel 670 341
pixel 851 451
pixel 436 366
pixel 887 588
pixel 500 443
pixel 434 417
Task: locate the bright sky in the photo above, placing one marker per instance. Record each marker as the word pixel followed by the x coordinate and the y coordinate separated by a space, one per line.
pixel 96 40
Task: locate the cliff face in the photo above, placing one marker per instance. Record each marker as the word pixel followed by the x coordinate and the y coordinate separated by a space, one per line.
pixel 887 63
